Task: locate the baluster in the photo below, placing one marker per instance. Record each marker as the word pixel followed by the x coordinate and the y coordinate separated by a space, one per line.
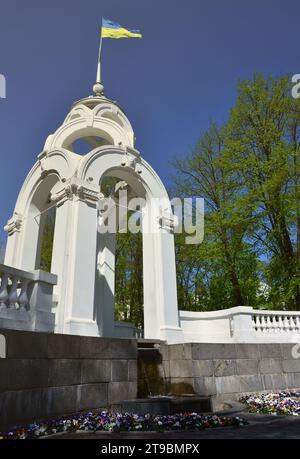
pixel 3 291
pixel 292 324
pixel 254 322
pixel 263 324
pixel 257 323
pixel 286 324
pixel 23 297
pixel 13 294
pixel 275 324
pixel 280 323
pixel 297 323
pixel 269 324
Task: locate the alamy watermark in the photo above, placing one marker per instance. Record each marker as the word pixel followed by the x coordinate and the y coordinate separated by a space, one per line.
pixel 151 216
pixel 296 87
pixel 2 87
pixel 295 351
pixel 296 348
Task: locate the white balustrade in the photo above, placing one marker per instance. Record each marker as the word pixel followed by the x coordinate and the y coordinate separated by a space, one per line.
pixel 276 321
pixel 26 299
pixel 241 324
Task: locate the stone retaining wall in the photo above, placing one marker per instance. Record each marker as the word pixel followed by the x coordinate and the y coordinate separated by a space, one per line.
pixel 47 375
pixel 226 371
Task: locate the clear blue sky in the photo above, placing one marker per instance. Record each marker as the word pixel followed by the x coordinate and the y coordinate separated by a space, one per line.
pixel 171 84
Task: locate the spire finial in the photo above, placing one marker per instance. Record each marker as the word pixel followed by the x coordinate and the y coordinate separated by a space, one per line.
pixel 98 88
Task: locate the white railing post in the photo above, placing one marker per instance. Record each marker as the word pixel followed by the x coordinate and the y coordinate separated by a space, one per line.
pixel 26 299
pixel 242 324
pixel 41 301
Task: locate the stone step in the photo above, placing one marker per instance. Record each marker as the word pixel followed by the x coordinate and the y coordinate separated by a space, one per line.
pixel 166 405
pixel 149 343
pixel 148 348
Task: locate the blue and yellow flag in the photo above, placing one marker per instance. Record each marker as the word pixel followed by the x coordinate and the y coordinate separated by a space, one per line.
pixel 111 29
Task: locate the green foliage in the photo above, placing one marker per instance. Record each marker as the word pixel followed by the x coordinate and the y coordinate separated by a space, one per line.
pixel 248 172
pixel 262 151
pixel 129 278
pixel 129 269
pixel 47 240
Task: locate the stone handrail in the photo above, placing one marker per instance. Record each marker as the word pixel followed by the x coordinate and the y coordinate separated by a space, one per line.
pixel 26 299
pixel 241 324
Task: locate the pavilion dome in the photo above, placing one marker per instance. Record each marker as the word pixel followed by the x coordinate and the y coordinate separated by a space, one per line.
pixel 96 121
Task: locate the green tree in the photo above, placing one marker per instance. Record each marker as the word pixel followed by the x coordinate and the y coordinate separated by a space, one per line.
pixel 216 265
pixel 262 154
pixel 129 278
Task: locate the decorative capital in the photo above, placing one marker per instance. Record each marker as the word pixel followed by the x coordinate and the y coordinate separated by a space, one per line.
pixel 131 160
pixel 76 189
pixel 167 222
pixel 85 193
pixel 65 193
pixel 14 225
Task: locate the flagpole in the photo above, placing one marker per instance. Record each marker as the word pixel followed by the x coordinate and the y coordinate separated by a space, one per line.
pixel 98 78
pixel 98 87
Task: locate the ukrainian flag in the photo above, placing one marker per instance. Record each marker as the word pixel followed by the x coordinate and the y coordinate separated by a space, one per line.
pixel 111 29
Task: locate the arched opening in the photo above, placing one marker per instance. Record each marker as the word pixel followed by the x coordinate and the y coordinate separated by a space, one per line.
pixel 127 258
pixel 85 145
pixel 129 297
pixel 47 238
pixel 86 139
pixel 39 227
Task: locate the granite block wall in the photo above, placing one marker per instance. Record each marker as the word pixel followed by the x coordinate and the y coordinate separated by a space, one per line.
pixel 226 371
pixel 47 375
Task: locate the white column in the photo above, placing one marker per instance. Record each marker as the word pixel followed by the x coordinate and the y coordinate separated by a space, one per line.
pixel 79 276
pixel 60 258
pixel 151 316
pixel 105 284
pixel 167 289
pixel 161 315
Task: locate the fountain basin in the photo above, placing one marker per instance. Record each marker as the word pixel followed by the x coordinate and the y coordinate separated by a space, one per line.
pixel 165 405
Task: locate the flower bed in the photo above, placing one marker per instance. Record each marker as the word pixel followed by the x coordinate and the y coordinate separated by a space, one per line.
pixel 118 422
pixel 287 403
